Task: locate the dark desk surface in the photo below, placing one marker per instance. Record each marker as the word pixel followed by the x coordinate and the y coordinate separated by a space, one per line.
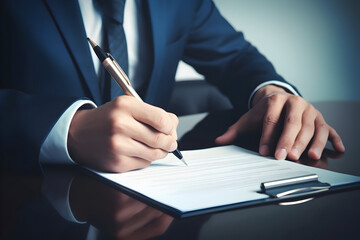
pixel 27 213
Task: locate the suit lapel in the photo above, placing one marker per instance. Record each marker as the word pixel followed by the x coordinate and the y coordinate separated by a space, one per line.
pixel 68 18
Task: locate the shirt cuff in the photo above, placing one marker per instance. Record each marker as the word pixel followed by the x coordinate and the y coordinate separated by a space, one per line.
pixel 287 86
pixel 54 149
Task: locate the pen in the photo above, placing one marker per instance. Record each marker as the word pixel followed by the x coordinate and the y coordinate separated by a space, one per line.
pixel 121 79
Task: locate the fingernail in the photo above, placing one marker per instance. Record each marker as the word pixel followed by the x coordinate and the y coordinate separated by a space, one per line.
pixel 295 152
pixel 264 150
pixel 281 154
pixel 173 146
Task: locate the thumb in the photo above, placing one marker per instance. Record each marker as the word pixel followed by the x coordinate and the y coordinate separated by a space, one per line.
pixel 228 137
pixel 233 131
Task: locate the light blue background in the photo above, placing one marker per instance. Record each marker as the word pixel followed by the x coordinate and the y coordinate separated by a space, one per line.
pixel 314 44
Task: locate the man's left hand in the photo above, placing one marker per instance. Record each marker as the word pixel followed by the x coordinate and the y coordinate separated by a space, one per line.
pixel 288 124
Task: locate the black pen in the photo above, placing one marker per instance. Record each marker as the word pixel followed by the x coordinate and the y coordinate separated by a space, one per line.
pixel 121 79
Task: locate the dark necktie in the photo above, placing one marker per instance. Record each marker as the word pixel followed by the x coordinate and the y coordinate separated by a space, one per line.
pixel 114 38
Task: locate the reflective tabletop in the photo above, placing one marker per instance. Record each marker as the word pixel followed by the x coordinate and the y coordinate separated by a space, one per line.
pixel 67 203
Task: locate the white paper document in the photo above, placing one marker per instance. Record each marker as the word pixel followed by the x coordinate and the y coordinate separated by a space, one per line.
pixel 215 177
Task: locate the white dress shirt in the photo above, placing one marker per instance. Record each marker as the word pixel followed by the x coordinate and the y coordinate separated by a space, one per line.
pixel 54 149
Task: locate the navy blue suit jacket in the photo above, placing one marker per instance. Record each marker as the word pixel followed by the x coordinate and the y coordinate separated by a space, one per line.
pixel 47 63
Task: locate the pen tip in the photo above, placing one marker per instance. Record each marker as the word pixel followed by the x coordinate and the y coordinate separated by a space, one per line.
pixel 92 43
pixel 183 160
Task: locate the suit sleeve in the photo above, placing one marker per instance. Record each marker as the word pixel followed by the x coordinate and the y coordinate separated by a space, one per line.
pixel 26 120
pixel 27 112
pixel 224 57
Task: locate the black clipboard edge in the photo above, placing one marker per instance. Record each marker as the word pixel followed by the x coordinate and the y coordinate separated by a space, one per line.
pixel 179 214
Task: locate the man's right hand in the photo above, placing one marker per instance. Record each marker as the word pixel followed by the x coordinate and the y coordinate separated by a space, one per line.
pixel 121 135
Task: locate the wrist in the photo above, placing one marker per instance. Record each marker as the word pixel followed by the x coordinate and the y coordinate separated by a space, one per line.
pixel 75 124
pixel 266 91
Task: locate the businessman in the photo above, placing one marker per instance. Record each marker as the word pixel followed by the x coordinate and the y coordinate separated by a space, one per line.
pixel 59 106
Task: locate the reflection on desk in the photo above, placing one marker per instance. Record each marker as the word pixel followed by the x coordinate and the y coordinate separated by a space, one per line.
pixel 109 212
pixel 27 214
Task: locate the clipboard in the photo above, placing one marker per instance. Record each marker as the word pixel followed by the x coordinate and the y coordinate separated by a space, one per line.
pixel 288 194
pixel 314 182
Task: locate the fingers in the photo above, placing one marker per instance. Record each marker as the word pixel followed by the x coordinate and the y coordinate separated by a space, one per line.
pixel 157 140
pixel 148 114
pixel 122 135
pixel 146 135
pixel 232 132
pixel 139 150
pixel 249 122
pixel 320 138
pixel 119 163
pixel 228 137
pixel 128 154
pixel 176 121
pixel 336 140
pixel 290 124
pixel 271 125
pixel 320 132
pixel 142 131
pixel 298 134
pixel 304 137
pixel 294 108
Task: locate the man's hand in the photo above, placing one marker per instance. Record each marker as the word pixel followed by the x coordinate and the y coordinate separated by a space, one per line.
pixel 288 124
pixel 122 135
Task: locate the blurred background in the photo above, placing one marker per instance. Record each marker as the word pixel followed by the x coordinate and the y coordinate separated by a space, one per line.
pixel 314 44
